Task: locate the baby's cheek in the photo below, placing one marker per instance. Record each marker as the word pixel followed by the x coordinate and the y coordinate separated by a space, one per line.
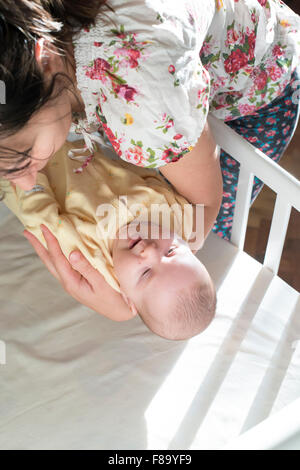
pixel 122 268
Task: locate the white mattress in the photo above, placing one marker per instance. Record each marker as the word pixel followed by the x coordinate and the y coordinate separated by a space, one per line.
pixel 75 380
pixel 71 379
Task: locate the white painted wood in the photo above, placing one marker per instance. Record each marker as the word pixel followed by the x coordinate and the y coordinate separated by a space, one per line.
pixel 279 226
pixel 256 162
pixel 286 186
pixel 242 206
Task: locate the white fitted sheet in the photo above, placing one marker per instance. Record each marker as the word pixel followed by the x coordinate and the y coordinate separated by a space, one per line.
pixel 71 379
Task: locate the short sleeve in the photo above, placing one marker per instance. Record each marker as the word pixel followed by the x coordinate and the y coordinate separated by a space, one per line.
pixel 144 81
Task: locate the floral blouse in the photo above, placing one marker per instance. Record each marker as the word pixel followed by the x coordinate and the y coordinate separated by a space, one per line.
pixel 150 72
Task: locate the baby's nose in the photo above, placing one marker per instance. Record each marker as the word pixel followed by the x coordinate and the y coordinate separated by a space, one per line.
pixel 148 248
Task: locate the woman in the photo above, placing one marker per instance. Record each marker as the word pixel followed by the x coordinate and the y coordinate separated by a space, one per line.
pixel 146 74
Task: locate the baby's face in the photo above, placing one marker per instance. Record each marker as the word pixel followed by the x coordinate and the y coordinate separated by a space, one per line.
pixel 151 271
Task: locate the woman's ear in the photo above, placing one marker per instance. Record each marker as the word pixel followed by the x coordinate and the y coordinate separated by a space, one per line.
pixel 40 51
pixel 130 304
pixel 44 57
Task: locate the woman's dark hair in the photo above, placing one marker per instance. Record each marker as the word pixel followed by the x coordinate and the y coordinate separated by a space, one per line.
pixel 22 22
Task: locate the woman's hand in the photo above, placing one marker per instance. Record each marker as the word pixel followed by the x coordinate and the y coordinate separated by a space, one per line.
pixel 80 279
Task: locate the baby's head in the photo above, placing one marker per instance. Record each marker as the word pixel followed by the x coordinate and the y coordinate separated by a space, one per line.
pixel 164 282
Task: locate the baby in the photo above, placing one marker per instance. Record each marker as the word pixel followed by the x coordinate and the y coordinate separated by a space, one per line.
pixel 163 281
pixel 111 211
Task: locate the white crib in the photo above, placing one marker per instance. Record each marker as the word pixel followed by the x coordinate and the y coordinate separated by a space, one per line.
pixel 71 379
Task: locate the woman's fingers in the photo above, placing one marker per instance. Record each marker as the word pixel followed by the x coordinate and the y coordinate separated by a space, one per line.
pixel 81 264
pixel 41 252
pixel 69 278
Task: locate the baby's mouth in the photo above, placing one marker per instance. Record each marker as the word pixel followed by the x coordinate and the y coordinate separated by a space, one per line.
pixel 132 243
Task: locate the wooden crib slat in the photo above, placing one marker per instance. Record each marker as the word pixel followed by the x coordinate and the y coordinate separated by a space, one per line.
pixel 279 226
pixel 272 174
pixel 254 162
pixel 242 206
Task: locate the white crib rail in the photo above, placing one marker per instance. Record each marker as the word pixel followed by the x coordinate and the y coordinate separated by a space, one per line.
pixel 254 162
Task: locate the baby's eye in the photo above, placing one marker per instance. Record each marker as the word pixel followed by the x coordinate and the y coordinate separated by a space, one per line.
pixel 171 249
pixel 145 272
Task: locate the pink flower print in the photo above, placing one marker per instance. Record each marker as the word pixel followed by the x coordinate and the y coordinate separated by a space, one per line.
pixel 205 49
pixel 214 87
pixel 169 124
pixel 168 155
pixel 270 120
pixel 252 139
pixel 116 147
pixel 288 102
pixel 103 96
pixel 171 69
pixel 261 80
pixel 135 155
pixel 237 60
pixel 121 52
pixel 274 110
pixel 232 37
pixel 98 44
pixel 251 42
pixel 243 38
pixel 286 129
pixel 127 92
pixel 110 135
pixel 287 113
pixel 230 161
pixel 248 69
pixel 226 195
pixel 274 72
pixel 270 133
pixel 131 56
pixel 277 51
pixel 134 54
pixel 262 2
pixel 201 91
pixel 177 136
pixel 260 129
pixel 227 205
pixel 205 101
pixel 245 109
pixel 133 64
pixel 98 71
pixel 253 18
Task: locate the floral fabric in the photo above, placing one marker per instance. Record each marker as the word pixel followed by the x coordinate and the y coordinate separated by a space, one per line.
pixel 271 131
pixel 150 72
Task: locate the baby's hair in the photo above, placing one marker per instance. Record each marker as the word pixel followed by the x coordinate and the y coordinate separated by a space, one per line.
pixel 22 23
pixel 195 308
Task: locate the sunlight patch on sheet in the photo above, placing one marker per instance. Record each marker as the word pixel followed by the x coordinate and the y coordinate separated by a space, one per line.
pixel 176 393
pixel 182 384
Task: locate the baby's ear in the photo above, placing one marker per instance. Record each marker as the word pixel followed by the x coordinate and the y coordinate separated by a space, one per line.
pixel 130 304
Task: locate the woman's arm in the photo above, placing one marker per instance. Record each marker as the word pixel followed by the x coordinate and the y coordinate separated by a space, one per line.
pixel 197 177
